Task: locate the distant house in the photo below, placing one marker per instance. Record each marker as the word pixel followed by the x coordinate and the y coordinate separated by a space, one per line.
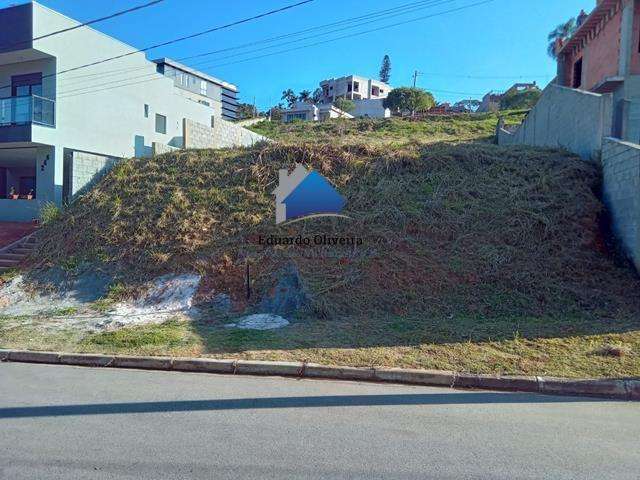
pixel 313 113
pixel 491 101
pixel 366 93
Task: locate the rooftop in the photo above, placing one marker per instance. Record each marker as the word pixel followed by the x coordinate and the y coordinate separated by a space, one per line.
pixel 601 11
pixel 197 73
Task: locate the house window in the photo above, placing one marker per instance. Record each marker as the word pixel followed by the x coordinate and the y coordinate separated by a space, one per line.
pixel 146 111
pixel 349 87
pixel 356 86
pixel 203 88
pixel 161 124
pixel 577 74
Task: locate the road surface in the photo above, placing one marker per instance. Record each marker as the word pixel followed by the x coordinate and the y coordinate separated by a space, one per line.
pixel 61 422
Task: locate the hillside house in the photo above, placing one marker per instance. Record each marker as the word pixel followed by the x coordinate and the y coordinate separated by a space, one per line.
pixel 61 126
pixel 366 93
pixel 313 113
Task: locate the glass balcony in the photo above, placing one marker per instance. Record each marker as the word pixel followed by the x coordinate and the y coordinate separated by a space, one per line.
pixel 27 110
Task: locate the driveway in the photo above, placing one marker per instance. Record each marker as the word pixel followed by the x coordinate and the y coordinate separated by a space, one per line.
pixel 61 422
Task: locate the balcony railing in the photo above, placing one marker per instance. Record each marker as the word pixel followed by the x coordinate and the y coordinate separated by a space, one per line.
pixel 26 110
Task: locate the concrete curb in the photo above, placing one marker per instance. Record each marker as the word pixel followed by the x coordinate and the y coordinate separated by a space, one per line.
pixel 623 389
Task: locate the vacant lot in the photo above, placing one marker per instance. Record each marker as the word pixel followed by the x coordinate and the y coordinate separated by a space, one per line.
pixel 473 258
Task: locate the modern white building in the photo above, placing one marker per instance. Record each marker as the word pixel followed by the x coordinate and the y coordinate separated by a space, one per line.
pixel 367 94
pixel 353 87
pixel 62 126
pixel 313 113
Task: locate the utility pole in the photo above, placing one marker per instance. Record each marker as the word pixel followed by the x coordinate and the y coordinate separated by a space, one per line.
pixel 415 77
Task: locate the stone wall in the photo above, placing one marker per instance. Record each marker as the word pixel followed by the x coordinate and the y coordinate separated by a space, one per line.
pixel 621 192
pixel 565 118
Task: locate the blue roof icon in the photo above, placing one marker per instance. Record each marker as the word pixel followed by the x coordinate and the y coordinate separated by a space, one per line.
pixel 313 196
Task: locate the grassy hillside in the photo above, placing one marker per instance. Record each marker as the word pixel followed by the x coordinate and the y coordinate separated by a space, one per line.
pixel 389 131
pixel 473 257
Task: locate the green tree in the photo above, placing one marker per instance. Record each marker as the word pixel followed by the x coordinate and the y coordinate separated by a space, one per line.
pixel 246 110
pixel 520 100
pixel 405 100
pixel 305 96
pixel 290 97
pixel 385 69
pixel 317 95
pixel 562 32
pixel 344 104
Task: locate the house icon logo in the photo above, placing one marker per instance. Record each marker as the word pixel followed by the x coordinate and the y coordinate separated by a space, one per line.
pixel 303 194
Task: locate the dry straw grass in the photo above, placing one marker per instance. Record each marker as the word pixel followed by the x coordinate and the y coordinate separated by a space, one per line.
pixel 470 229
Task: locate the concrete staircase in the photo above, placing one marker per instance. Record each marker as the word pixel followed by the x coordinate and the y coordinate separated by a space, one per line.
pixel 13 255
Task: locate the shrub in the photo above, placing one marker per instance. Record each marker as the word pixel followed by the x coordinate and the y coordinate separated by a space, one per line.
pixel 49 213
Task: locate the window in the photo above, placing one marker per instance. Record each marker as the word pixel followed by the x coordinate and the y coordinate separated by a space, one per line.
pixel 356 86
pixel 161 124
pixel 146 111
pixel 349 87
pixel 203 87
pixel 296 116
pixel 577 74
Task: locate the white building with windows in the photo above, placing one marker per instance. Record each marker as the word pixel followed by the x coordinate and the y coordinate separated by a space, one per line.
pixel 62 126
pixel 313 113
pixel 366 93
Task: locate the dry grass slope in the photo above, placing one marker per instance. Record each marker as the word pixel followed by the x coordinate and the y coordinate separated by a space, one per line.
pixel 475 257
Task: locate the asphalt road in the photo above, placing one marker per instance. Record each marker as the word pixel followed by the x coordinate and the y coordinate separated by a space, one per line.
pixel 60 422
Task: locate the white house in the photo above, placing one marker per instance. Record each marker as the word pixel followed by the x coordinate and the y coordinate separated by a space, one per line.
pixel 313 113
pixel 366 93
pixel 61 126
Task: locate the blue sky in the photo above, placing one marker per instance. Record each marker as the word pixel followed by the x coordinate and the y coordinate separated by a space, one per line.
pixel 502 38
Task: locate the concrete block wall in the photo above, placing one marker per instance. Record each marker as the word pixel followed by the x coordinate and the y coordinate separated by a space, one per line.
pixel 565 118
pixel 160 148
pixel 197 135
pixel 87 169
pixel 621 192
pixel 228 135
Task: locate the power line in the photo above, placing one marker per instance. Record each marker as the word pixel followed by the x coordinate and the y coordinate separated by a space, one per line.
pixel 404 9
pixel 354 34
pixel 90 22
pixel 175 40
pixel 384 14
pixel 297 48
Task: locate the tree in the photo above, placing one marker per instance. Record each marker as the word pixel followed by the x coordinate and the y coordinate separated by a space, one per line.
pixel 468 104
pixel 561 32
pixel 290 97
pixel 385 69
pixel 409 100
pixel 305 96
pixel 246 110
pixel 520 100
pixel 344 104
pixel 317 95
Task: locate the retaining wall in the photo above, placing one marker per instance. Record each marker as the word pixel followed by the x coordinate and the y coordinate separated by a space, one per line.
pixel 621 192
pixel 86 169
pixel 566 118
pixel 222 134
